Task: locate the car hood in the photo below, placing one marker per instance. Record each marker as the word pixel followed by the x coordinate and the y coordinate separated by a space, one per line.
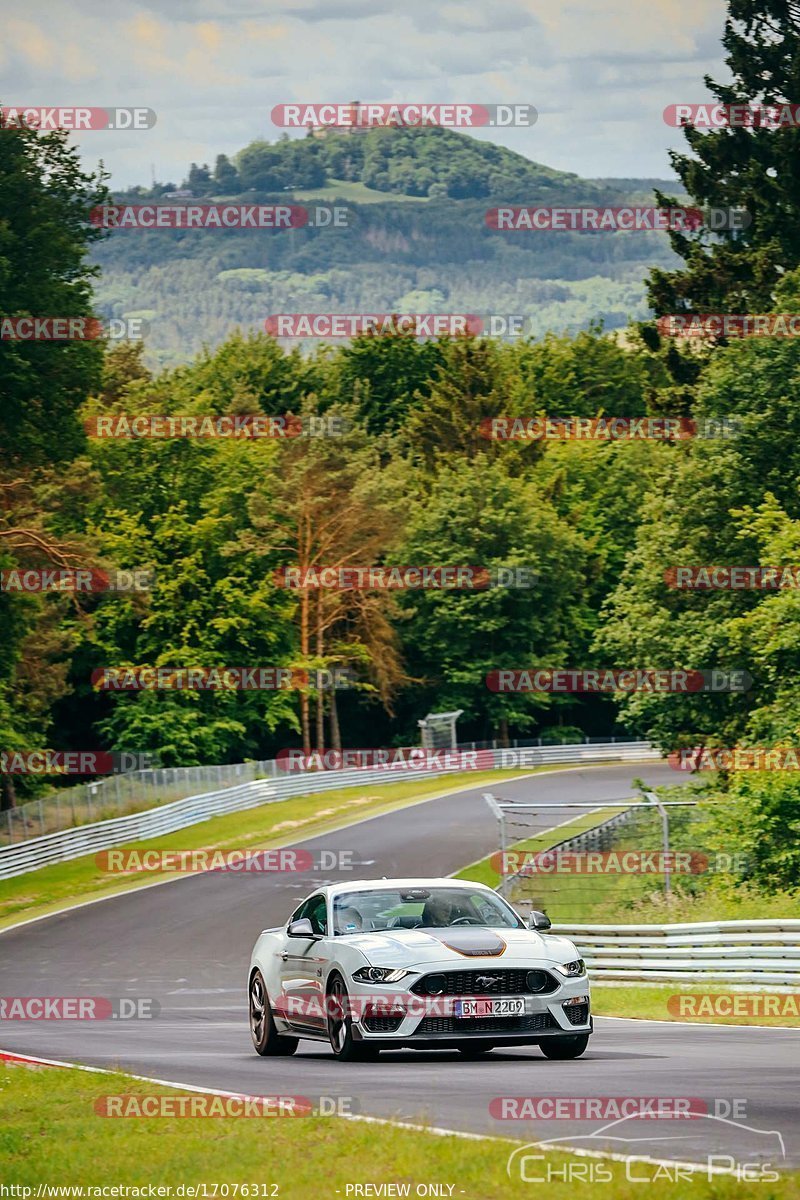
pixel 408 947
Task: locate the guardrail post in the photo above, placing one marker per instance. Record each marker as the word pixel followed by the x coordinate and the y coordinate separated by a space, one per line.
pixel 653 798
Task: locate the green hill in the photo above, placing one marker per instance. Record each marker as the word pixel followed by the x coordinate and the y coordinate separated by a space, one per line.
pixel 418 241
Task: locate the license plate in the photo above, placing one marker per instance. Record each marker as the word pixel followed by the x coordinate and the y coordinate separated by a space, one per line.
pixel 513 1006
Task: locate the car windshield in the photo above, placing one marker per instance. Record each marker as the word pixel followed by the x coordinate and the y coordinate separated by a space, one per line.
pixel 420 908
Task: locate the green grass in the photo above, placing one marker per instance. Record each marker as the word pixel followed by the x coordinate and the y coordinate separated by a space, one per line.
pixel 51 1134
pixel 652 1003
pixel 358 193
pixel 283 823
pixel 618 899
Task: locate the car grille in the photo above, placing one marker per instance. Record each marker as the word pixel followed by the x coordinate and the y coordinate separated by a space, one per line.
pixel 506 982
pixel 577 1014
pixel 531 1023
pixel 383 1024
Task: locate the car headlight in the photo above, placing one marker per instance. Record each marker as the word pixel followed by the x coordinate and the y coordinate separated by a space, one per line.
pixel 571 969
pixel 380 974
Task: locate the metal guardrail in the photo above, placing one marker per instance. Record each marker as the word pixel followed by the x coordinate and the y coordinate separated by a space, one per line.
pixel 118 795
pixel 34 853
pixel 748 952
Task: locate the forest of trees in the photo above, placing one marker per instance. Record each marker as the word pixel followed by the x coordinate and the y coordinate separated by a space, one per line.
pixel 410 481
pixel 405 249
pixel 430 162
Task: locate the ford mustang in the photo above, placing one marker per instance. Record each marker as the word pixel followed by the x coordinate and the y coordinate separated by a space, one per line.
pixel 382 964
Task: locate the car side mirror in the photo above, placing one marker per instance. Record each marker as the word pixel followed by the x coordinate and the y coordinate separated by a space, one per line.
pixel 538 921
pixel 300 929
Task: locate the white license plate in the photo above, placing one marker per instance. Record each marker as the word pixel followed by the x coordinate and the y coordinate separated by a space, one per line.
pixel 512 1006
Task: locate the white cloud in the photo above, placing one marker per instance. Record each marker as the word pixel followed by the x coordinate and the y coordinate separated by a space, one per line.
pixel 599 71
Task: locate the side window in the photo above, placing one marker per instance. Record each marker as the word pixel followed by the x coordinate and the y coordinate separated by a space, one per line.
pixel 314 910
pixel 318 914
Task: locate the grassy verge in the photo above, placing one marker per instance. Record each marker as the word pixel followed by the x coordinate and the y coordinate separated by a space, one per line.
pixel 652 1003
pixel 52 1134
pixel 720 900
pixel 51 888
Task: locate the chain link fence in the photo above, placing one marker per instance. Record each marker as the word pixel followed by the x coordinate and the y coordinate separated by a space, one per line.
pixel 136 791
pixel 601 861
pixel 119 795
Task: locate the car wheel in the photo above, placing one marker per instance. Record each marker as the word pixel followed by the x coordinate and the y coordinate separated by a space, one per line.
pixel 266 1039
pixel 565 1047
pixel 340 1026
pixel 475 1049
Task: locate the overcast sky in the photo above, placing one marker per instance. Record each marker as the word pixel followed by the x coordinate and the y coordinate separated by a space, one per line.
pixel 600 72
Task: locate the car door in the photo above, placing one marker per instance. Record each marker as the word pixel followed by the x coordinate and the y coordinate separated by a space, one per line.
pixel 302 967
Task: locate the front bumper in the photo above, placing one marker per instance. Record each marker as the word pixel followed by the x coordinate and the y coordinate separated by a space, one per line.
pixel 401 1018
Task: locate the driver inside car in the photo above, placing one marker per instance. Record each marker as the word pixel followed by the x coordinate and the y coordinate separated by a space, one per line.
pixel 437 913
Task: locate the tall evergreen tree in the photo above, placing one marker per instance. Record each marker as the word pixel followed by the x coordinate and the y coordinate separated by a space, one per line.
pixel 755 168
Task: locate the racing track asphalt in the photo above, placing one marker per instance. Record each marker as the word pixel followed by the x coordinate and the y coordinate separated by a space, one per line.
pixel 187 944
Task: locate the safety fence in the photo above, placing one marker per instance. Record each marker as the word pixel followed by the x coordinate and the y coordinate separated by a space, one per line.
pixel 58 846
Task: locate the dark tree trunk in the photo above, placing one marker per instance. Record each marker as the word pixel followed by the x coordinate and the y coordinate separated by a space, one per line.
pixel 336 735
pixel 8 793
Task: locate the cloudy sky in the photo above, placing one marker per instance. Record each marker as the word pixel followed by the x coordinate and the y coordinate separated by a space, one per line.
pixel 600 72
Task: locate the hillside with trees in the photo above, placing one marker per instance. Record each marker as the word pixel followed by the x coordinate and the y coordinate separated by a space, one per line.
pixel 418 242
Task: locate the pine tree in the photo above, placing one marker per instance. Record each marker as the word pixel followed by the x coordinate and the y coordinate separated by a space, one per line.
pixel 755 168
pixel 226 177
pixel 199 179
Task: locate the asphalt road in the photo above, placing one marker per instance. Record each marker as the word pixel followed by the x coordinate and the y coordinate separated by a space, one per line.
pixel 187 944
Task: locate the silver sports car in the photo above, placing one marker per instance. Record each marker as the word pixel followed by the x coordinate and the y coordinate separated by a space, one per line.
pixel 380 964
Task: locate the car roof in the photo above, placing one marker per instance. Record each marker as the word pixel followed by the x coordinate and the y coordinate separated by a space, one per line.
pixel 375 885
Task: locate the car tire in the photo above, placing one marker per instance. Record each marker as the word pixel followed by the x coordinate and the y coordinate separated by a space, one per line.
pixel 266 1039
pixel 565 1047
pixel 475 1049
pixel 340 1025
